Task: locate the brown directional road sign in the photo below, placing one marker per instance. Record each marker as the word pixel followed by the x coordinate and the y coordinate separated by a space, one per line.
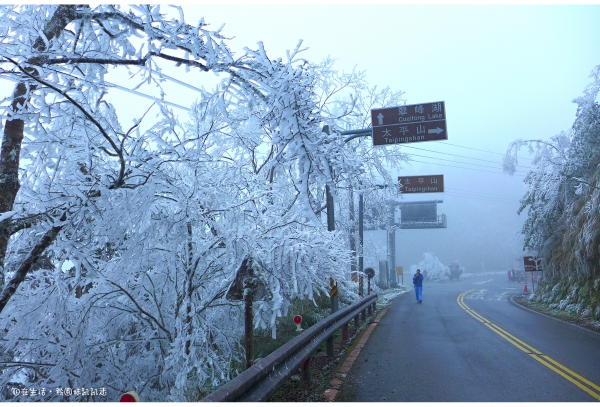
pixel 532 264
pixel 409 124
pixel 421 184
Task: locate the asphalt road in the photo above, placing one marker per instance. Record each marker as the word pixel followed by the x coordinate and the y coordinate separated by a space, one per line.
pixel 468 342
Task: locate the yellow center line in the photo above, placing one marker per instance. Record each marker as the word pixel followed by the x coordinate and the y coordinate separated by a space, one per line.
pixel 545 360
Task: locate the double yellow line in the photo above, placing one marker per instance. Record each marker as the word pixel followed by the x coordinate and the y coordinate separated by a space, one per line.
pixel 584 384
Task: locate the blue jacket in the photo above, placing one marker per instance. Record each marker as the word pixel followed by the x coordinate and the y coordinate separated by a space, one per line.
pixel 418 279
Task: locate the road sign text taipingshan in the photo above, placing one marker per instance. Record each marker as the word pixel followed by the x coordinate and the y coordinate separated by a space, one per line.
pixel 409 124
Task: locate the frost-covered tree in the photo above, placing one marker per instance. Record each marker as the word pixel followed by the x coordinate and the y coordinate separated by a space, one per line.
pixel 562 197
pixel 118 243
pixel 435 269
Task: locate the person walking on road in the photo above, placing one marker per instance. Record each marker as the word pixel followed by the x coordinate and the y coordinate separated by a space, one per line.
pixel 418 283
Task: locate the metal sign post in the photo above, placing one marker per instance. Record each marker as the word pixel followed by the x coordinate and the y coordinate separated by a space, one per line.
pixel 532 264
pixel 400 271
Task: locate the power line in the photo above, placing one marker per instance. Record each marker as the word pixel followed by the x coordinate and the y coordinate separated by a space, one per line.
pixel 135 92
pixel 479 192
pixel 479 195
pixel 482 198
pixel 484 151
pixel 461 156
pixel 464 168
pixel 187 85
pixel 452 161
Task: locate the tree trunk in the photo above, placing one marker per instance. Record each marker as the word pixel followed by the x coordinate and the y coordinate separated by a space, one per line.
pixel 12 140
pixel 29 262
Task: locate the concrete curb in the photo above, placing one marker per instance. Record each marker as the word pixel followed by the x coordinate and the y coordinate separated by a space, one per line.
pixel 336 382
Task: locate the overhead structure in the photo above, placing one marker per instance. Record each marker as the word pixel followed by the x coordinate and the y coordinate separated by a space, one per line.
pixel 421 215
pixel 414 215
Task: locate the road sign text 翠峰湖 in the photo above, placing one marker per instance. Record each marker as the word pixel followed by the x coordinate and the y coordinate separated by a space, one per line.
pixel 409 124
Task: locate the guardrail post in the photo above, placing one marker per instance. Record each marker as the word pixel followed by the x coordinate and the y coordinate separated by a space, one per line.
pixel 369 310
pixel 329 346
pixel 305 371
pixel 260 381
pixel 345 332
pixel 363 315
pixel 333 293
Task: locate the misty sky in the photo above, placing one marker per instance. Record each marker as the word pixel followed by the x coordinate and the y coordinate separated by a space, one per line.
pixel 505 72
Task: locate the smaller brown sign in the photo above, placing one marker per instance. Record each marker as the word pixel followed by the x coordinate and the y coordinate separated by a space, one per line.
pixel 421 184
pixel 532 264
pixel 399 270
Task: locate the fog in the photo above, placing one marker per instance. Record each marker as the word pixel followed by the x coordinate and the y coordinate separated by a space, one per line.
pixel 483 227
pixel 505 72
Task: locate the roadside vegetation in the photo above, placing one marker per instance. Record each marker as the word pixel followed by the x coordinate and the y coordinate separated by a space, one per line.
pixel 563 209
pixel 122 230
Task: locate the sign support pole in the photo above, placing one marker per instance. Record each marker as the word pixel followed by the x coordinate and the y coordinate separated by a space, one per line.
pixel 392 248
pixel 331 227
pixel 353 264
pixel 361 209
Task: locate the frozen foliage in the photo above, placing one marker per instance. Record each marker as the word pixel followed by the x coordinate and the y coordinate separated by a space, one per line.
pixel 563 201
pixel 563 198
pixel 435 269
pixel 118 243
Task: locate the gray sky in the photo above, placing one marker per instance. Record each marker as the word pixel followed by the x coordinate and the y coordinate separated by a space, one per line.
pixel 504 71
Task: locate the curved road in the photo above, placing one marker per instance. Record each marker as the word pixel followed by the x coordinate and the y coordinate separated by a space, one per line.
pixel 468 342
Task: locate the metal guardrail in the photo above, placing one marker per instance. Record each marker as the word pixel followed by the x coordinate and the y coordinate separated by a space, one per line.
pixel 262 380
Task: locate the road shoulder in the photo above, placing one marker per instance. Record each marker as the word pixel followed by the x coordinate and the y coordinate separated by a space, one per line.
pixel 522 300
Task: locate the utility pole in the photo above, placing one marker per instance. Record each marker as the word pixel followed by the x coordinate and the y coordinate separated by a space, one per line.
pixel 335 304
pixel 392 246
pixel 361 209
pixel 330 211
pixel 353 265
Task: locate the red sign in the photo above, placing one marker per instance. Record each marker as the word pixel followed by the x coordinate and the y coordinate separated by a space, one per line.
pixel 421 184
pixel 297 319
pixel 409 124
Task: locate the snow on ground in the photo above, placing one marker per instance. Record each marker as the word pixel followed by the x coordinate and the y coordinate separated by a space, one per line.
pixel 483 273
pixel 385 296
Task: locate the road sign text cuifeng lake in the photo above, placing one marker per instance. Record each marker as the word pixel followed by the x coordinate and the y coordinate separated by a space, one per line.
pixel 409 124
pixel 421 183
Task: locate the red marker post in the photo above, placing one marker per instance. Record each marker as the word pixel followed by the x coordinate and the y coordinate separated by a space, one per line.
pixel 130 396
pixel 298 321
